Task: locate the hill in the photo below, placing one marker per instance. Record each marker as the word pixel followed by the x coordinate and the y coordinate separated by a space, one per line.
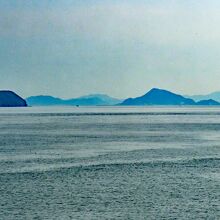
pixel 89 100
pixel 208 102
pixel 11 99
pixel 159 97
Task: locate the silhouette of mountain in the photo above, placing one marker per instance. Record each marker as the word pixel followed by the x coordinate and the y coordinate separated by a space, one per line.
pixel 105 98
pixel 153 97
pixel 208 102
pixel 159 97
pixel 214 96
pixel 93 101
pixel 11 99
pixel 89 100
pixel 43 100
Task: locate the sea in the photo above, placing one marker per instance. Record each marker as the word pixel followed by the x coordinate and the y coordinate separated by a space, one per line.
pixel 110 163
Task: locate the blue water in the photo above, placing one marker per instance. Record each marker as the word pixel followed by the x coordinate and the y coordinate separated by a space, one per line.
pixel 110 163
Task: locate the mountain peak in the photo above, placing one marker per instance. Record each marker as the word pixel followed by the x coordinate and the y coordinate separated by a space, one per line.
pixel 158 90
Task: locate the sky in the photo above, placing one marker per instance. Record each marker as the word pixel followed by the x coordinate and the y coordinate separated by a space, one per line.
pixel 69 48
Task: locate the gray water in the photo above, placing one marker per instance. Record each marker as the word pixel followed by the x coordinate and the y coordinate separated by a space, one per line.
pixel 110 163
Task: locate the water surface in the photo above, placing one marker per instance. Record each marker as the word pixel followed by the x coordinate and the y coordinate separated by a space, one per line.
pixel 110 163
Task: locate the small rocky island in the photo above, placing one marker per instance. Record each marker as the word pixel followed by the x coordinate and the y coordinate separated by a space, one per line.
pixel 11 99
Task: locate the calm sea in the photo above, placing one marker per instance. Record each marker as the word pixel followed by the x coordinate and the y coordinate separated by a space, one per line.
pixel 110 163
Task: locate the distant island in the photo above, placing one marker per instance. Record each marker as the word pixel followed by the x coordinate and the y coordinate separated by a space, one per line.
pixel 89 100
pixel 159 97
pixel 11 99
pixel 164 97
pixel 155 96
pixel 208 102
pixel 214 96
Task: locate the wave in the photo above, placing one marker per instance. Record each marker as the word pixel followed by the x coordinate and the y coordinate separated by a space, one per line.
pixel 186 162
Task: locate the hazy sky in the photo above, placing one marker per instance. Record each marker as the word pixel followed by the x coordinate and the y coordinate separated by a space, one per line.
pixel 69 48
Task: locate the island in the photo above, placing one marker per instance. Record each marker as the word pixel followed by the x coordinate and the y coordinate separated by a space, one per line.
pixel 11 99
pixel 159 97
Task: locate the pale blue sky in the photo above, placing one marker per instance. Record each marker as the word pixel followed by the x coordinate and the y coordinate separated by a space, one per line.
pixel 69 48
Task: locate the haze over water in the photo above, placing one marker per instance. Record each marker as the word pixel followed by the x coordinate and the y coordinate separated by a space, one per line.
pixel 110 163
